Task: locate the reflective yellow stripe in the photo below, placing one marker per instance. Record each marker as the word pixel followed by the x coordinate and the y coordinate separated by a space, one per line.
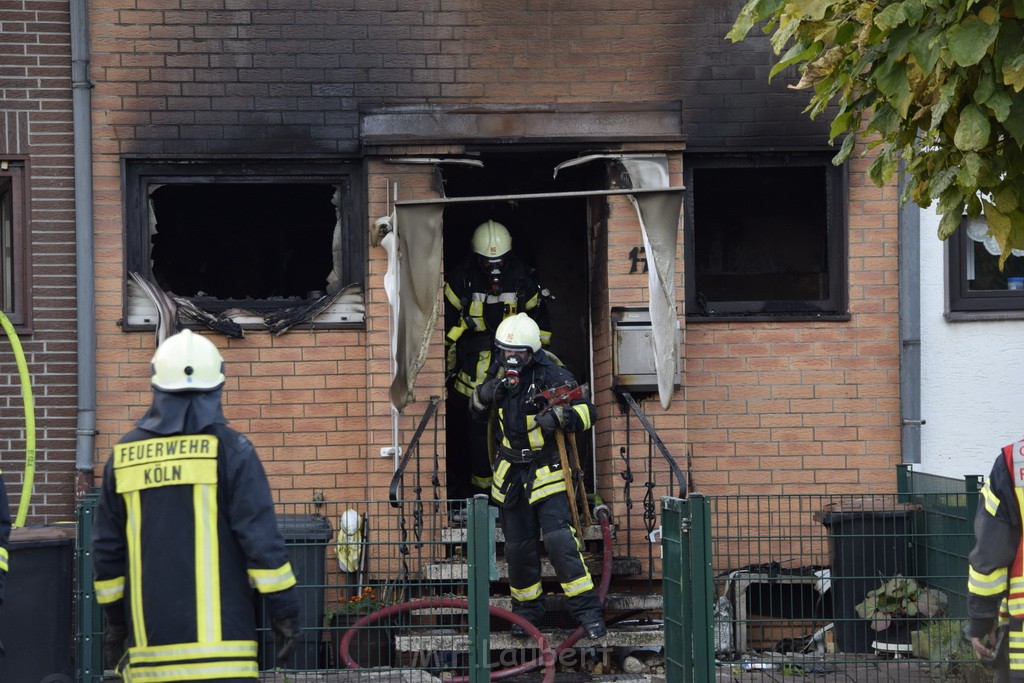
pixel 454 300
pixel 133 533
pixel 534 433
pixel 994 583
pixel 481 482
pixel 584 412
pixel 272 580
pixel 577 586
pixel 207 564
pixel 166 461
pixel 170 653
pixel 110 590
pixel 991 500
pixel 210 671
pixel 526 594
pixel 3 559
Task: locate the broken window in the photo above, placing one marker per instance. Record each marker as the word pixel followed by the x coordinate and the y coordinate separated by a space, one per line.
pixel 765 236
pixel 13 241
pixel 246 241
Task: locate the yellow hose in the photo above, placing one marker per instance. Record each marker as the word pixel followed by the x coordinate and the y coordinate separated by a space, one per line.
pixel 30 420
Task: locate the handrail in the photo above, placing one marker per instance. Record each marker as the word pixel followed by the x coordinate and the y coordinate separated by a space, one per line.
pixel 656 440
pixel 396 480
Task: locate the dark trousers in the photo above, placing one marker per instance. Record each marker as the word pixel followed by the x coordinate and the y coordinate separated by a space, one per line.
pixel 468 460
pixel 522 524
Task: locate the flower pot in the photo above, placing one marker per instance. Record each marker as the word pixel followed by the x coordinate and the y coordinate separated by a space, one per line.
pixel 371 646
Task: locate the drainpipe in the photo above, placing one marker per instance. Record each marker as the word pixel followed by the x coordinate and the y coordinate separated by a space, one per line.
pixel 81 106
pixel 909 229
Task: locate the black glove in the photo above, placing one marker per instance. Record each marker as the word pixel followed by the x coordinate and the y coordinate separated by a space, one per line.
pixel 114 634
pixel 285 633
pixel 488 391
pixel 548 421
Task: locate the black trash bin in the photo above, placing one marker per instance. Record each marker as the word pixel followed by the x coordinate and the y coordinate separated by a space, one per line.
pixel 306 537
pixel 869 545
pixel 37 614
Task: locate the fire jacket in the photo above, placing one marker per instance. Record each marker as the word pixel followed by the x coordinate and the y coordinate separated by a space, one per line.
pixel 5 536
pixel 996 564
pixel 473 312
pixel 184 531
pixel 520 441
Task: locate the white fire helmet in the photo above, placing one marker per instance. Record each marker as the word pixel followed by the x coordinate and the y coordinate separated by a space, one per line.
pixel 518 333
pixel 187 362
pixel 491 240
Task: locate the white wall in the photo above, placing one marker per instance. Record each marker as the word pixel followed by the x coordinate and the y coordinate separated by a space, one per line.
pixel 972 376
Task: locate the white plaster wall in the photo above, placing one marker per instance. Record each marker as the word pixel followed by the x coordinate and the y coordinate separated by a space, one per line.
pixel 972 376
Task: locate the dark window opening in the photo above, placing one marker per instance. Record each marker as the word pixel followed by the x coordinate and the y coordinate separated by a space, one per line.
pixel 244 241
pixel 766 236
pixel 14 244
pixel 976 284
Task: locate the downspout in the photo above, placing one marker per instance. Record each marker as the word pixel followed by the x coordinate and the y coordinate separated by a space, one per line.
pixel 909 229
pixel 81 107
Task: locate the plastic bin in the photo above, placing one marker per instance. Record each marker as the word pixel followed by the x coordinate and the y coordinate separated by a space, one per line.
pixel 868 546
pixel 37 614
pixel 306 537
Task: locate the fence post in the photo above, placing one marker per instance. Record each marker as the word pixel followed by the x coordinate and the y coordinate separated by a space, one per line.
pixel 90 616
pixel 687 589
pixel 479 553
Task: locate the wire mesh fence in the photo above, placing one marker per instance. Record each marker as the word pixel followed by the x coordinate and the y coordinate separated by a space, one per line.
pixel 861 588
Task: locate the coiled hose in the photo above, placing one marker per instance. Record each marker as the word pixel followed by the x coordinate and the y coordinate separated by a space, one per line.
pixel 30 420
pixel 547 657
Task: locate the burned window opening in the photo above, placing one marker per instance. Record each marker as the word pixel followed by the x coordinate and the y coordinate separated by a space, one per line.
pixel 259 243
pixel 244 241
pixel 766 236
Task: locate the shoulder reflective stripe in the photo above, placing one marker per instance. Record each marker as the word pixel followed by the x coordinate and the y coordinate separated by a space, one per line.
pixel 991 500
pixel 192 651
pixel 272 580
pixel 133 534
pixel 994 583
pixel 577 586
pixel 109 590
pixel 452 297
pixel 189 459
pixel 526 594
pixel 207 566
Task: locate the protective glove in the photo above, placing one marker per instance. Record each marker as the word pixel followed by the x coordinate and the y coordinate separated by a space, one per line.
pixel 488 391
pixel 285 633
pixel 451 358
pixel 548 421
pixel 114 635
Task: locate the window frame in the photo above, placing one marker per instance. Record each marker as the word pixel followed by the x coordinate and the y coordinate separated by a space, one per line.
pixel 140 174
pixel 836 306
pixel 961 302
pixel 18 170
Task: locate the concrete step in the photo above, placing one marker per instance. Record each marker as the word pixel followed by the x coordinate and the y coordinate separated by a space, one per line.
pixel 460 534
pixel 456 569
pixel 503 640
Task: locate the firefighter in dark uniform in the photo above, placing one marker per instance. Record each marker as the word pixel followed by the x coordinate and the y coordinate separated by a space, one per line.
pixel 488 287
pixel 5 542
pixel 185 531
pixel 995 582
pixel 529 487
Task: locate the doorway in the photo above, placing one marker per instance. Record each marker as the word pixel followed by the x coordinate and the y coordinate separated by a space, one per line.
pixel 549 234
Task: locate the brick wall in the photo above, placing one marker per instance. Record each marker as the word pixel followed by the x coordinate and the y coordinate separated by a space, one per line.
pixel 36 127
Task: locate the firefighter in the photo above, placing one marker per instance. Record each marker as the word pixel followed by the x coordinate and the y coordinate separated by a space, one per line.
pixel 996 571
pixel 184 532
pixel 488 287
pixel 528 484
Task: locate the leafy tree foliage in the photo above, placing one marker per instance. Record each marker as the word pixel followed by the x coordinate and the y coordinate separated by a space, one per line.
pixel 934 83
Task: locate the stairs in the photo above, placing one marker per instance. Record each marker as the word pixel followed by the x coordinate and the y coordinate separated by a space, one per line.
pixel 632 611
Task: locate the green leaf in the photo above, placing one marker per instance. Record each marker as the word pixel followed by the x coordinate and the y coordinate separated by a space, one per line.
pixel 925 49
pixel 913 10
pixel 1007 199
pixel 973 131
pixel 1000 103
pixel 885 119
pixel 813 9
pixel 1014 123
pixel 970 39
pixel 890 17
pixel 1008 44
pixel 986 86
pixel 949 223
pixel 1013 73
pixel 891 79
pixel 970 167
pixel 797 53
pixel 844 151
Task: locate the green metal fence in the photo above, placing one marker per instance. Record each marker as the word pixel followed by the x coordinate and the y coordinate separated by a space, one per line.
pixel 794 580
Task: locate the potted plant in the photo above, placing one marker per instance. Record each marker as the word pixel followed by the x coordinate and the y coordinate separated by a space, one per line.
pixel 372 645
pixel 897 604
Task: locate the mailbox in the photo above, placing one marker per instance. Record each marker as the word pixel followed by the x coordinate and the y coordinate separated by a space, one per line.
pixel 633 351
